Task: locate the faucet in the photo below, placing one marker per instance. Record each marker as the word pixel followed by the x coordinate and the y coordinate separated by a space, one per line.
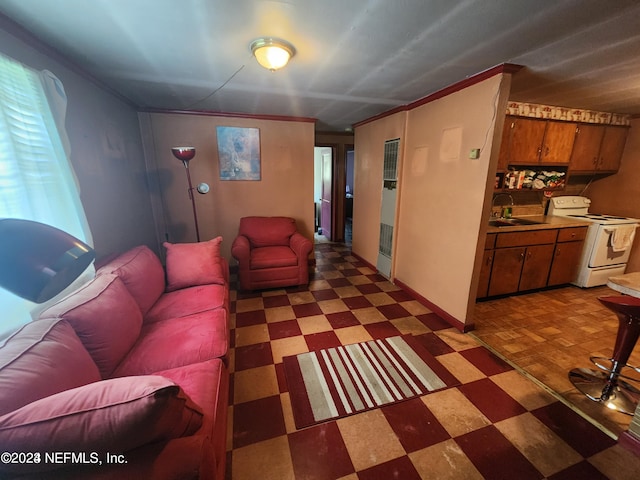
pixel 493 204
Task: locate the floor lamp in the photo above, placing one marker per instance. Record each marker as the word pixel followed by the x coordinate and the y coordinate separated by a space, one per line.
pixel 38 261
pixel 184 154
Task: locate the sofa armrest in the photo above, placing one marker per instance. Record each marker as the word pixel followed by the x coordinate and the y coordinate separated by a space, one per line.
pixel 301 245
pixel 240 248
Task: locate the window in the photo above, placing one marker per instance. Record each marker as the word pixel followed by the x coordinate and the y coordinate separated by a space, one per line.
pixel 36 178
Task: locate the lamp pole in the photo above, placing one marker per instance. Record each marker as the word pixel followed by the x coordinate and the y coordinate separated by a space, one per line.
pixel 184 154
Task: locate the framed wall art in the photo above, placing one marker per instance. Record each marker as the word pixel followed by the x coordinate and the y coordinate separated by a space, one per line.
pixel 239 153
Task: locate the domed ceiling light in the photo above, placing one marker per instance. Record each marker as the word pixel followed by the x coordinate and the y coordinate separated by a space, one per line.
pixel 272 53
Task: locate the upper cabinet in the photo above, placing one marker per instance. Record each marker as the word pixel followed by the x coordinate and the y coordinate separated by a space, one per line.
pixel 598 148
pixel 527 141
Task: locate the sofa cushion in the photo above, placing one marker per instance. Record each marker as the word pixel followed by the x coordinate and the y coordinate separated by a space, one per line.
pixel 266 231
pixel 188 301
pixel 177 342
pixel 142 273
pixel 190 264
pixel 272 257
pixel 42 358
pixel 106 318
pixel 115 415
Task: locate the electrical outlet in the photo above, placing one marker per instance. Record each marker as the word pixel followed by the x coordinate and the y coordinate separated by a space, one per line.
pixel 474 154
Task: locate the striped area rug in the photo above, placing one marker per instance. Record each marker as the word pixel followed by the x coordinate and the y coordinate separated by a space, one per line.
pixel 341 381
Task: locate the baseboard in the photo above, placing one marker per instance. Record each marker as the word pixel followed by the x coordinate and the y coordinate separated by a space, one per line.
pixel 451 320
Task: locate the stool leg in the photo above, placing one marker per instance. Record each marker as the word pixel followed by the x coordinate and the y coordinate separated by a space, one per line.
pixel 609 388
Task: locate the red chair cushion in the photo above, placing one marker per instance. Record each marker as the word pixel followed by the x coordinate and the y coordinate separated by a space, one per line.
pixel 270 257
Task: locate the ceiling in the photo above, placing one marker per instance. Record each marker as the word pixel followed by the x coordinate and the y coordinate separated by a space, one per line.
pixel 355 58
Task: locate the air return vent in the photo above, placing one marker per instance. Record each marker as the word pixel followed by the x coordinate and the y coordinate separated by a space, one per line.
pixel 391 159
pixel 386 239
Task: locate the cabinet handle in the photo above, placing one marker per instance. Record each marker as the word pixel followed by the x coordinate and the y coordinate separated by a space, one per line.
pixel 522 256
pixel 489 261
pixel 546 152
pixel 595 160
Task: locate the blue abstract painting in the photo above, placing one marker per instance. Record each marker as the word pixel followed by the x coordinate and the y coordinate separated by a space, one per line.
pixel 239 153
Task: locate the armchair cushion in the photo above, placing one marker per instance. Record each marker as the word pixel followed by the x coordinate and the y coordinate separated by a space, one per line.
pixel 270 257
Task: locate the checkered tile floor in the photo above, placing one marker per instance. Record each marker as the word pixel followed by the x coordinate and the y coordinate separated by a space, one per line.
pixel 496 425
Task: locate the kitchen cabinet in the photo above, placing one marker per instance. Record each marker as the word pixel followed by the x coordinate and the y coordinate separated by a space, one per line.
pixel 598 148
pixel 487 263
pixel 567 255
pixel 533 141
pixel 529 260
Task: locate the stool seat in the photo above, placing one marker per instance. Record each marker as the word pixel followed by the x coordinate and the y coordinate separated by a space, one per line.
pixel 607 386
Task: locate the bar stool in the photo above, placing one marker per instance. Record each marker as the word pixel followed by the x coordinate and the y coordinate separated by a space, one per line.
pixel 609 385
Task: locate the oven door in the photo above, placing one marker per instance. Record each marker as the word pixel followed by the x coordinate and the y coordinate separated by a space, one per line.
pixel 602 254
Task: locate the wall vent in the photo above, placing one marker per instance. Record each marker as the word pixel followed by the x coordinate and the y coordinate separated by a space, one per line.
pixel 391 159
pixel 386 239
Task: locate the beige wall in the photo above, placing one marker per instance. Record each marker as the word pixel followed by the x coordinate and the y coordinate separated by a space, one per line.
pixel 106 150
pixel 285 188
pixel 369 158
pixel 443 195
pixel 619 194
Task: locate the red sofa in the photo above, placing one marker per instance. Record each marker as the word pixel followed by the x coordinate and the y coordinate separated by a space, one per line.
pixel 126 378
pixel 271 253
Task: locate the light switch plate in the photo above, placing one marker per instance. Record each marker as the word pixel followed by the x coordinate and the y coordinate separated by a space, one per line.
pixel 474 154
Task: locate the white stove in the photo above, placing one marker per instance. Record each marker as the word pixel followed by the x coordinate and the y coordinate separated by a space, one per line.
pixel 607 246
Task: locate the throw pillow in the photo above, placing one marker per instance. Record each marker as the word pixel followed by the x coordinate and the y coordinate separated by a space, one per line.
pixel 42 358
pixel 114 416
pixel 106 318
pixel 191 264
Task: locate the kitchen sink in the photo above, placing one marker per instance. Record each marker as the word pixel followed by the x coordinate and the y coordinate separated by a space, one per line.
pixel 511 222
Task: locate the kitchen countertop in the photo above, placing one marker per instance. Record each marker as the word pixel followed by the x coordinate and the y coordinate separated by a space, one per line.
pixel 548 222
pixel 629 283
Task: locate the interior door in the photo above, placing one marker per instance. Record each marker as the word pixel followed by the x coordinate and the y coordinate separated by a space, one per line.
pixel 325 199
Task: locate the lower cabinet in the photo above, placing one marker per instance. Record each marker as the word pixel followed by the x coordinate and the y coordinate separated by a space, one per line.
pixel 520 261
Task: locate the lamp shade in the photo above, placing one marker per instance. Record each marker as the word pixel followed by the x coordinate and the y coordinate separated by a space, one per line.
pixel 272 53
pixel 38 261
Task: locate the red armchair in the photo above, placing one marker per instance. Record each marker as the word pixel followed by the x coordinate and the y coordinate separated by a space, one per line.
pixel 271 253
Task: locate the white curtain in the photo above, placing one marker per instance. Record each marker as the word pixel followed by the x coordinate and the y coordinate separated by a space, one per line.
pixel 37 181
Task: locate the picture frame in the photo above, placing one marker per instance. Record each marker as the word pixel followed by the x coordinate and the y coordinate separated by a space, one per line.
pixel 239 153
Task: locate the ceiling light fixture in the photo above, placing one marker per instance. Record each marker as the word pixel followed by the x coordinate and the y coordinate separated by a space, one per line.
pixel 272 53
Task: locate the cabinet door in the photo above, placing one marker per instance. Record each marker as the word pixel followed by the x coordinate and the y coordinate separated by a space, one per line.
pixel 558 142
pixel 485 273
pixel 565 262
pixel 526 141
pixel 503 158
pixel 612 147
pixel 535 270
pixel 505 274
pixel 586 148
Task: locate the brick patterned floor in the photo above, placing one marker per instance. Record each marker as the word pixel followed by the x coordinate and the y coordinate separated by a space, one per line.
pixel 496 424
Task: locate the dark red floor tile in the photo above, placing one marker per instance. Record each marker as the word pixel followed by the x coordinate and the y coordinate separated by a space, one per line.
pixel 491 400
pixel 339 282
pixel 581 435
pixel 414 424
pixel 252 356
pixel 400 296
pixel 393 310
pixel 580 471
pixel 434 344
pixel 433 321
pixel 382 330
pixel 400 468
pixel 319 341
pixel 246 319
pixel 376 277
pixel 275 301
pixel 356 302
pixel 350 272
pixel 257 420
pixel 287 328
pixel 495 457
pixel 228 475
pixel 328 294
pixel 282 380
pixel 231 388
pixel 342 319
pixel 485 361
pixel 325 267
pixel 367 288
pixel 306 310
pixel 319 453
